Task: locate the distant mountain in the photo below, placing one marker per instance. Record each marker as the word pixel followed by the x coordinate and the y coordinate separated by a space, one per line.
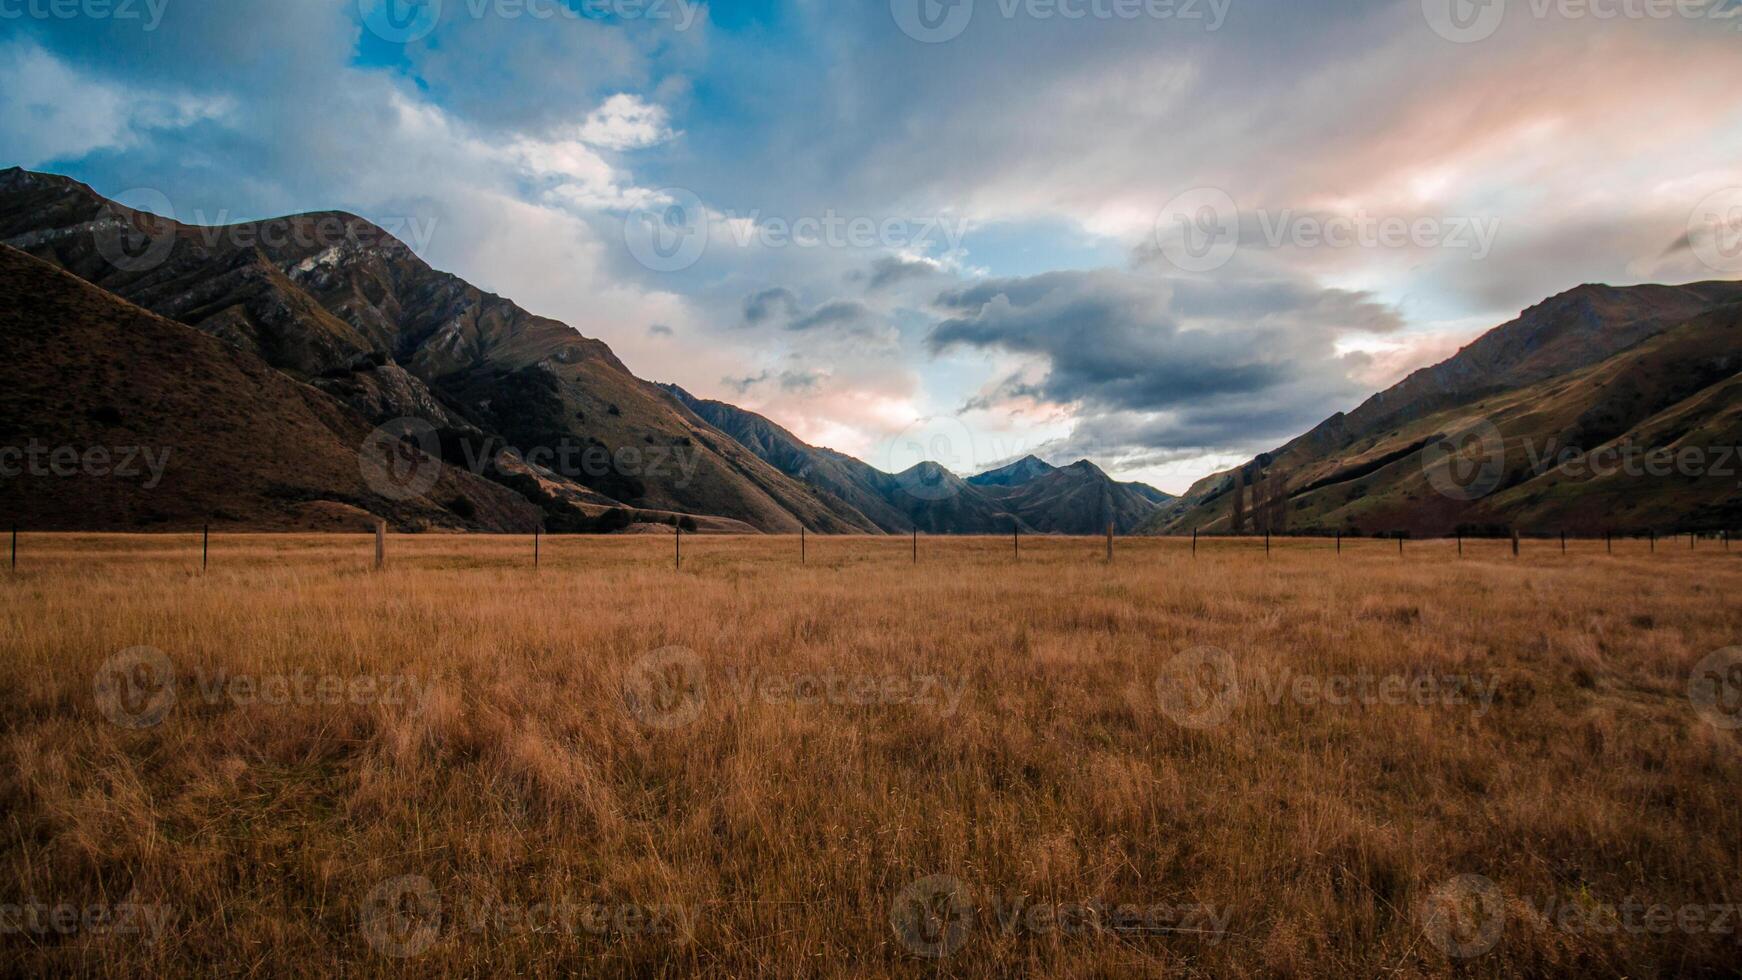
pixel 1029 493
pixel 1074 499
pixel 127 421
pixel 1149 493
pixel 855 484
pixel 336 302
pixel 1023 470
pixel 1605 378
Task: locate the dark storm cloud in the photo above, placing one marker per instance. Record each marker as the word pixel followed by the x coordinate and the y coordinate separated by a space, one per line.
pixel 778 303
pixel 889 270
pixel 1127 341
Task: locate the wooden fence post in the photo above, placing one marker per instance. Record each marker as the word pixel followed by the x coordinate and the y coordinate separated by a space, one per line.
pixel 1109 542
pixel 916 545
pixel 1609 542
pixel 15 547
pixel 1016 537
pixel 535 546
pixel 679 557
pixel 206 548
pixel 1267 543
pixel 1515 542
pixel 1563 542
pixel 1460 544
pixel 1339 542
pixel 1194 542
pixel 1654 542
pixel 380 545
pixel 1400 544
pixel 802 558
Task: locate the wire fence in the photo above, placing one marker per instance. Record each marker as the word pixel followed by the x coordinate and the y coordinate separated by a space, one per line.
pixel 917 548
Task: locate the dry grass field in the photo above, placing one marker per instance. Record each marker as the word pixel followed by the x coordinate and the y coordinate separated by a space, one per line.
pixel 1307 764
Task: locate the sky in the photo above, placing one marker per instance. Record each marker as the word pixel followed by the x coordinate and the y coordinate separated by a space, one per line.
pixel 1164 235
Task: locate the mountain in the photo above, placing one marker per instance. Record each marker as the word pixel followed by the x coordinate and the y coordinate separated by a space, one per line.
pixel 338 303
pixel 1021 471
pixel 1074 499
pixel 118 419
pixel 1029 493
pixel 1149 493
pixel 1600 378
pixel 828 473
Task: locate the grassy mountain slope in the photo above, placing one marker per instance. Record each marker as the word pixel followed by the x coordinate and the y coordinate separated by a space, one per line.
pixel 1620 372
pixel 332 299
pixel 242 444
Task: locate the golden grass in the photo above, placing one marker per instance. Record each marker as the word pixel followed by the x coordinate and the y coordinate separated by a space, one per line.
pixel 772 834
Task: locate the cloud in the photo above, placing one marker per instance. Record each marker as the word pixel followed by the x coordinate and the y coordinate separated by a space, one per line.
pixel 791 382
pixel 1119 340
pixel 624 122
pixel 844 315
pixel 769 305
pixel 892 269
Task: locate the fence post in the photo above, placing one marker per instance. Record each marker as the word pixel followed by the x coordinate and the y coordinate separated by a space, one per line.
pixel 1460 544
pixel 1194 542
pixel 1654 542
pixel 380 545
pixel 1109 542
pixel 801 547
pixel 1267 543
pixel 15 547
pixel 206 548
pixel 1692 537
pixel 1400 544
pixel 1515 542
pixel 1339 542
pixel 535 546
pixel 1609 542
pixel 679 557
pixel 1563 542
pixel 916 545
pixel 1016 537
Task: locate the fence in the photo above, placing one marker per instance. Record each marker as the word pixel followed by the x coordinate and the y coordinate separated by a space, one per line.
pixel 1518 543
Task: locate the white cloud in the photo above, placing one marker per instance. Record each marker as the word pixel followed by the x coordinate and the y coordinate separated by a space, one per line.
pixel 625 122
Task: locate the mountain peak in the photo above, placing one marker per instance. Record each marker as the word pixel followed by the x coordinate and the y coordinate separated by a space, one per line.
pixel 1027 468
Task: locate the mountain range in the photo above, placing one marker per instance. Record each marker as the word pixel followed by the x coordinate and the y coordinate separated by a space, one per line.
pixel 1602 409
pixel 525 422
pixel 312 371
